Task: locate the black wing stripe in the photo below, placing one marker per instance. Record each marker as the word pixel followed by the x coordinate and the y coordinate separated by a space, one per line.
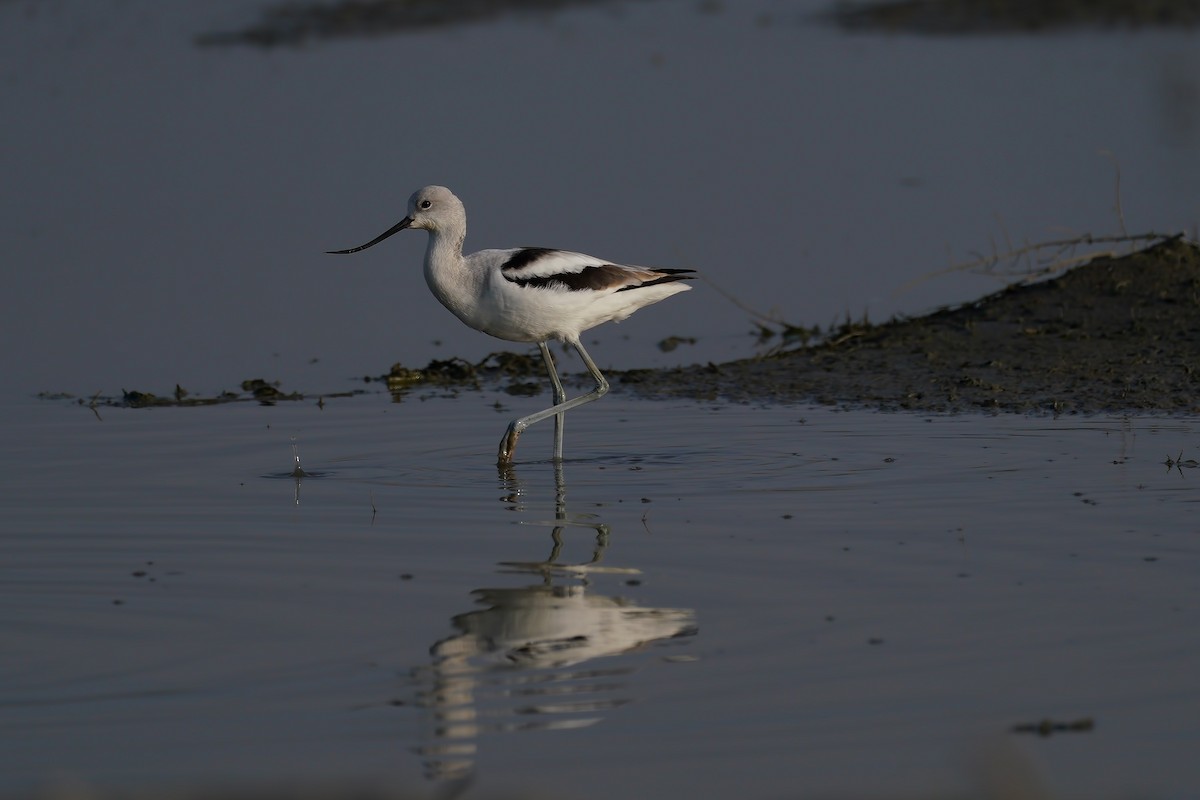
pixel 526 256
pixel 588 278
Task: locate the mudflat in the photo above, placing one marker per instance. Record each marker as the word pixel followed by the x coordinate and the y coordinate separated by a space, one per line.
pixel 1116 333
pixel 1113 334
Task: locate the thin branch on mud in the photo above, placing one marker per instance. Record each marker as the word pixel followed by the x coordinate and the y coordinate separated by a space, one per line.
pixel 755 314
pixel 1117 189
pixel 1062 256
pixel 769 325
pixel 1015 265
pixel 1061 260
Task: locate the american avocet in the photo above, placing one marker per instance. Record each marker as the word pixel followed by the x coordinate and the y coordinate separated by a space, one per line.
pixel 528 294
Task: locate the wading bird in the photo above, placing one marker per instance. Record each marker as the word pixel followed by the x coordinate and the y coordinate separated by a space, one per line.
pixel 528 294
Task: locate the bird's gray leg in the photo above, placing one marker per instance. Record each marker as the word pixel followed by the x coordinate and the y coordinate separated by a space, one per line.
pixel 560 397
pixel 515 428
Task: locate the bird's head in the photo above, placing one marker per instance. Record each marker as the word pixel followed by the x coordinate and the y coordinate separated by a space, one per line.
pixel 433 208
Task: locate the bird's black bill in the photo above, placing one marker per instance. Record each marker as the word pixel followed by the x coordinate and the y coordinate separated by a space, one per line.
pixel 399 226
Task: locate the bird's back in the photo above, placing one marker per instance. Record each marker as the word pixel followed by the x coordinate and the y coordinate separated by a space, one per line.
pixel 531 294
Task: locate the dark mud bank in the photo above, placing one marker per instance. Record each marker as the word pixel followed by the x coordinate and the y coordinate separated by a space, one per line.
pixel 1115 334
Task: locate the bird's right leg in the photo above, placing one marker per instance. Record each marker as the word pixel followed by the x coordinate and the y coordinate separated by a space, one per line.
pixel 560 397
pixel 509 443
pixel 515 428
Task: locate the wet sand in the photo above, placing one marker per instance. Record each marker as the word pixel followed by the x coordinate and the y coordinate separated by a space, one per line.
pixel 1114 334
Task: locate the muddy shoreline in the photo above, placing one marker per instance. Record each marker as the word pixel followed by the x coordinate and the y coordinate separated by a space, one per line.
pixel 1114 334
pixel 989 17
pixel 291 24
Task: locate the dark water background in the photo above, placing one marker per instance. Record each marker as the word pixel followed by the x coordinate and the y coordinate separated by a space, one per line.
pixel 167 206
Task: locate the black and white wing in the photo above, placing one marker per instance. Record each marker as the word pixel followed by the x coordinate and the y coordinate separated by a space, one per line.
pixel 540 267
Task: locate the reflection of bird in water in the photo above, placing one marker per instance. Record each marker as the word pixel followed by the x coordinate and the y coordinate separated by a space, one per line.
pixel 528 294
pixel 516 664
pixel 543 627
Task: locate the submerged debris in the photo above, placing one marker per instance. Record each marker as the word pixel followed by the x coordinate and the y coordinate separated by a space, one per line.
pixel 267 392
pixel 460 373
pixel 135 399
pixel 255 389
pixel 671 343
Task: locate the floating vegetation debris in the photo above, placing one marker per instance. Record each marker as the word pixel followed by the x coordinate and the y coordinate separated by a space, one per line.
pixel 672 342
pixel 252 390
pixel 460 373
pixel 451 373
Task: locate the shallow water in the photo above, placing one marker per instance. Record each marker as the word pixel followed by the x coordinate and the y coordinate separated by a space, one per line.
pixel 711 599
pixel 840 602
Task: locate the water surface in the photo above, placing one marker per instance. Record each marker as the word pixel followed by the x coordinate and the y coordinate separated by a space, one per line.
pixel 842 602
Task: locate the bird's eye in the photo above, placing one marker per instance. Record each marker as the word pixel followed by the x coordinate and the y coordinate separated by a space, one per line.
pixel 425 204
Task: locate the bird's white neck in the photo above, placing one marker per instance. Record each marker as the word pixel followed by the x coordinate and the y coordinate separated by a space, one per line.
pixel 446 271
